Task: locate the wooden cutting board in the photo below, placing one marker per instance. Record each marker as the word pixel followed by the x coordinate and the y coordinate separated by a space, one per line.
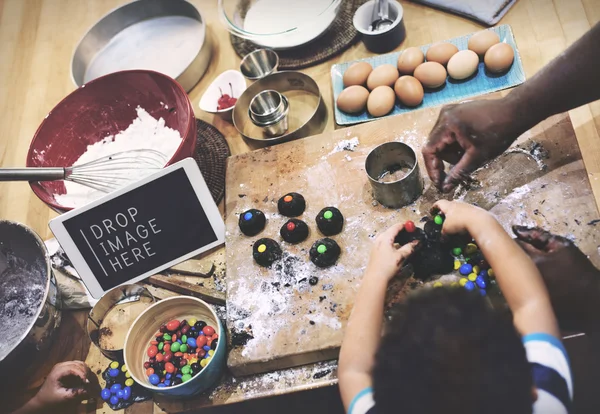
pixel 542 181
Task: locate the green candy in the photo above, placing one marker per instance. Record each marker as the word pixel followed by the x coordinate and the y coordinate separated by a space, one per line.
pixel 184 338
pixel 322 248
pixel 186 369
pixel 438 220
pixel 456 251
pixel 328 215
pixel 183 348
pixel 175 347
pixel 167 337
pixel 161 345
pixel 186 377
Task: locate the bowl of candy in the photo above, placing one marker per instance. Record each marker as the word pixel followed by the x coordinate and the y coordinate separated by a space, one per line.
pixel 176 347
pixel 222 94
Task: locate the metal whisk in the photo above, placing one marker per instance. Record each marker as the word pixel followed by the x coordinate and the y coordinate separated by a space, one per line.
pixel 104 174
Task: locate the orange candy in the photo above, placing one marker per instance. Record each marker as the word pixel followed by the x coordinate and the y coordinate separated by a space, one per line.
pixel 167 348
pixel 154 342
pixel 178 354
pixel 149 371
pixel 287 198
pixel 160 357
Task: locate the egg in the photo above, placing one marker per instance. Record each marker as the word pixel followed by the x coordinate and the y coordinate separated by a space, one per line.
pixel 382 75
pixel 409 90
pixel 409 59
pixel 463 64
pixel 357 74
pixel 499 57
pixel 353 99
pixel 431 74
pixel 441 52
pixel 381 101
pixel 480 42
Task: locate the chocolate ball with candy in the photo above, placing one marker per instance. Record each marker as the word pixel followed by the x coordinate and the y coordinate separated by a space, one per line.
pixel 252 222
pixel 294 231
pixel 330 221
pixel 291 205
pixel 266 252
pixel 325 252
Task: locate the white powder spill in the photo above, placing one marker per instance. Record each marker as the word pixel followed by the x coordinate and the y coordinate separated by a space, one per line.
pixel 145 132
pixel 345 145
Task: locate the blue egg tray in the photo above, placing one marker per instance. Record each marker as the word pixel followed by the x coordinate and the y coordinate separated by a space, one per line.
pixel 480 83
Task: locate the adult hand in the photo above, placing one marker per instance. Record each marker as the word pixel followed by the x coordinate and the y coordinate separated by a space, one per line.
pixel 67 384
pixel 468 135
pixel 386 260
pixel 572 280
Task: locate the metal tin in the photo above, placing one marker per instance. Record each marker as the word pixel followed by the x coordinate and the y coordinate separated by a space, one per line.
pixel 385 40
pixel 23 243
pixel 282 82
pixel 388 157
pixel 258 64
pixel 167 36
pixel 111 298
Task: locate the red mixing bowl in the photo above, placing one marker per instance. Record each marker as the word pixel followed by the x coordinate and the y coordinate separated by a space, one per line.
pixel 102 107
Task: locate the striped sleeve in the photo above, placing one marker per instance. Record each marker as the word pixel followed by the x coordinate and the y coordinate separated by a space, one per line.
pixel 363 403
pixel 551 373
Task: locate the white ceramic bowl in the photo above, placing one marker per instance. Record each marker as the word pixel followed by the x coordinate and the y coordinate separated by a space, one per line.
pixel 228 82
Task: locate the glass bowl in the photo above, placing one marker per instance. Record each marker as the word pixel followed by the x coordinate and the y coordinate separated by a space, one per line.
pixel 278 24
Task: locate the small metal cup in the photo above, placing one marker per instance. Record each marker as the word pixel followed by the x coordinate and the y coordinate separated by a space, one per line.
pixel 258 64
pixel 390 157
pixel 266 106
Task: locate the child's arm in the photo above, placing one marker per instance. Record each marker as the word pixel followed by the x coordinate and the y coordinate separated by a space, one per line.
pixel 517 275
pixel 363 331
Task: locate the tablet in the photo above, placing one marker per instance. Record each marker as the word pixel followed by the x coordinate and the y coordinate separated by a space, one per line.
pixel 141 229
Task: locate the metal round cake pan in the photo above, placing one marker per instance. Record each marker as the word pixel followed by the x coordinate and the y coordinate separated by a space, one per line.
pixel 307 114
pixel 167 36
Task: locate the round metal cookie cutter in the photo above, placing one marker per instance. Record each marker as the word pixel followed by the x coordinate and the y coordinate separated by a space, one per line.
pixel 307 115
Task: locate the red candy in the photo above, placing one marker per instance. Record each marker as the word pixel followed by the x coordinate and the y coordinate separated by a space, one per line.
pixel 170 368
pixel 291 226
pixel 173 325
pixel 167 348
pixel 178 354
pixel 152 351
pixel 168 356
pixel 201 341
pixel 154 342
pixel 208 331
pixel 409 226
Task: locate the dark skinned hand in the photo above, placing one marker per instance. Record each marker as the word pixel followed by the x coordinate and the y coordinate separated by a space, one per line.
pixel 468 135
pixel 572 280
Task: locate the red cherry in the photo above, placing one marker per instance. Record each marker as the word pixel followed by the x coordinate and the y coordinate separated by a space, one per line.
pixel 409 226
pixel 291 226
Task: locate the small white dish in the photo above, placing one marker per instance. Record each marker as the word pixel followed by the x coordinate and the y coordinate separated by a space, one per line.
pixel 228 82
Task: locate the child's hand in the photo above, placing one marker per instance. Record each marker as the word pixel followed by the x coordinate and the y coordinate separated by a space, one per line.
pixel 386 260
pixel 458 215
pixel 67 383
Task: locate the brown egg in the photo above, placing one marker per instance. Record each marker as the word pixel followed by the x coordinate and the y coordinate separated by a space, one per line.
pixel 409 90
pixel 431 74
pixel 357 74
pixel 409 59
pixel 463 64
pixel 441 52
pixel 381 101
pixel 480 42
pixel 499 57
pixel 382 75
pixel 353 99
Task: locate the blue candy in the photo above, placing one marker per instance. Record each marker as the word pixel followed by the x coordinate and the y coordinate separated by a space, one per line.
pixel 483 273
pixel 206 348
pixel 481 283
pixel 105 394
pixel 126 393
pixel 179 340
pixel 482 292
pixel 248 216
pixel 179 375
pixel 115 388
pixel 114 400
pixel 168 376
pixel 207 356
pixel 200 333
pixel 192 342
pixel 466 269
pixel 113 372
pixel 161 385
pixel 469 285
pixel 154 379
pixel 167 382
pixel 120 394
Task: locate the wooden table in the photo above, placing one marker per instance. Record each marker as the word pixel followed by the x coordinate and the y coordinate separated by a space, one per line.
pixel 38 37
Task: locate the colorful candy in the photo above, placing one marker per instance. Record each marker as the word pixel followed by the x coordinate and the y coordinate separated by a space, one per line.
pixel 409 226
pixel 466 269
pixel 439 220
pixel 187 347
